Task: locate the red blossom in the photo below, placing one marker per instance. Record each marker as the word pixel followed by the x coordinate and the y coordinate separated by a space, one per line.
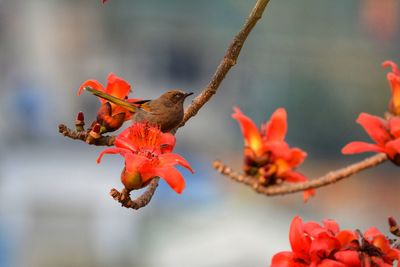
pixel 147 153
pixel 110 116
pixel 266 153
pixel 385 133
pixel 394 82
pixel 315 245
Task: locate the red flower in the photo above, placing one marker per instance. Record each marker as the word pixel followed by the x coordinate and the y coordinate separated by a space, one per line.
pixel 111 116
pixel 383 253
pixel 147 153
pixel 394 82
pixel 266 153
pixel 385 133
pixel 326 246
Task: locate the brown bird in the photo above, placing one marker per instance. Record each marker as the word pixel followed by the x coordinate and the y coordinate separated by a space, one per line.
pixel 165 111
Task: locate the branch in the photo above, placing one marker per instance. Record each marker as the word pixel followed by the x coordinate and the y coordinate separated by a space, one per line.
pixel 124 198
pixel 288 188
pixel 85 136
pixel 227 62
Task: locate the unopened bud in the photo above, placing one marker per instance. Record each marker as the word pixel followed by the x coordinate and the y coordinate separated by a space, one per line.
pixel 96 128
pixel 80 121
pixel 80 116
pixel 394 227
pixel 110 123
pixel 94 134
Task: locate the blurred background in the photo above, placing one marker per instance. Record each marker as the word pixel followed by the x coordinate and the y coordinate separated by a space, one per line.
pixel 321 60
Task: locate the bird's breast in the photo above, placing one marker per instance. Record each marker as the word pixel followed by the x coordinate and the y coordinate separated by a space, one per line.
pixel 166 118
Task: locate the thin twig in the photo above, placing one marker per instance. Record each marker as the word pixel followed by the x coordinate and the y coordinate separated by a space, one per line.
pixel 288 188
pixel 124 198
pixel 83 136
pixel 198 102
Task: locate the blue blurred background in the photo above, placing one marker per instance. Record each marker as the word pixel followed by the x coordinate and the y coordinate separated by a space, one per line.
pixel 318 59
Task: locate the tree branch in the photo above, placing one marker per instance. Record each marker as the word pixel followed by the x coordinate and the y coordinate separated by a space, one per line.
pixel 124 198
pixel 227 62
pixel 85 136
pixel 288 188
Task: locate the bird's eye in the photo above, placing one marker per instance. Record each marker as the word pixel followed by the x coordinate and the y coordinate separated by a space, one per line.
pixel 177 96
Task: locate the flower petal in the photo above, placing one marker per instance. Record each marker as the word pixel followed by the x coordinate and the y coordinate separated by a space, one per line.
pixel 125 133
pixel 123 140
pixel 170 160
pixel 361 147
pixel 298 241
pixel 372 232
pixel 322 246
pixel 117 86
pixel 394 81
pixel 113 150
pixel 295 177
pixel 392 148
pixel 345 237
pixel 126 143
pixel 331 263
pixel 331 226
pixel 91 83
pixel 312 228
pixel 348 257
pixel 375 127
pixel 136 163
pixel 172 176
pixel 279 150
pixel 297 157
pixel 389 63
pixel 394 127
pixel 283 259
pixel 276 127
pixel 167 142
pixel 252 137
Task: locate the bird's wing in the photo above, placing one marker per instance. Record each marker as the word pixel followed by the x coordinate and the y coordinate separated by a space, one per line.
pixel 139 102
pixel 119 102
pixel 146 106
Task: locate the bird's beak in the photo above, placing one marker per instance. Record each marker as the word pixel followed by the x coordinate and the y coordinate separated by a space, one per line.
pixel 112 99
pixel 188 94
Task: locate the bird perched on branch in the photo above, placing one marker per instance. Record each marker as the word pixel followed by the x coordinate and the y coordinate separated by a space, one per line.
pixel 165 111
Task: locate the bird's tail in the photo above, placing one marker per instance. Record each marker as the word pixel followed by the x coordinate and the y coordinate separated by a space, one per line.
pixel 112 99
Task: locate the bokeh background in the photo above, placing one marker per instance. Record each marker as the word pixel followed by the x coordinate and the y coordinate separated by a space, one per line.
pixel 318 59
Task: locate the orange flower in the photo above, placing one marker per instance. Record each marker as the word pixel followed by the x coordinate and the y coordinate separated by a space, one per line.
pixel 266 154
pixel 147 153
pixel 394 82
pixel 110 116
pixel 385 133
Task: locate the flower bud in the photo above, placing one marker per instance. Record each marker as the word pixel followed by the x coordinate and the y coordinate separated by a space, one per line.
pixel 94 134
pixel 131 180
pixel 394 227
pixel 80 122
pixel 109 122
